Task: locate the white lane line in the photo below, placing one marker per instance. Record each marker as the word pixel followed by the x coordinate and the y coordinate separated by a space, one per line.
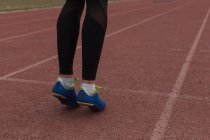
pixel 54 17
pixel 149 19
pixel 35 32
pixel 25 15
pixel 107 36
pixel 123 91
pixel 28 67
pixel 27 34
pixel 199 99
pixel 26 81
pixel 41 9
pixel 178 50
pixel 126 28
pixel 204 51
pixel 162 123
pixel 130 11
pixel 131 91
pixel 28 10
pixel 32 66
pixel 27 21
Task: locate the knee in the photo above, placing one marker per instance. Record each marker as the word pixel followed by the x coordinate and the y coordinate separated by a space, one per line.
pixel 97 10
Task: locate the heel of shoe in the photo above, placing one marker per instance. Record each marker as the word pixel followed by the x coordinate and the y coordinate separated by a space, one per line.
pixel 85 104
pixel 71 102
pixel 61 98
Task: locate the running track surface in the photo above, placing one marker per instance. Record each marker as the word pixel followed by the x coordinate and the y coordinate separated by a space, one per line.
pixel 155 71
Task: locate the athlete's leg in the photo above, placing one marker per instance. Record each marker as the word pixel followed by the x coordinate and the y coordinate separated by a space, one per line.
pixel 94 29
pixel 67 34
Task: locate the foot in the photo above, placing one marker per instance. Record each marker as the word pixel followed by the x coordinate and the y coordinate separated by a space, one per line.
pixel 93 101
pixel 66 96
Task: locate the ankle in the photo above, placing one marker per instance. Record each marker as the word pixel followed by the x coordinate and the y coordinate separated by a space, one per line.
pixel 68 83
pixel 66 75
pixel 88 81
pixel 89 88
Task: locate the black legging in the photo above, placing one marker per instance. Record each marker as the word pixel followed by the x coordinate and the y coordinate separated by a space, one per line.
pixel 93 33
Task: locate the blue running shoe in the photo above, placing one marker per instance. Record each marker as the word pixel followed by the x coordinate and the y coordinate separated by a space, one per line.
pixel 66 96
pixel 93 101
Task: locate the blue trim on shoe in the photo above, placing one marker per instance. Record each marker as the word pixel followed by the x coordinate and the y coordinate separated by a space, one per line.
pixel 65 96
pixel 94 102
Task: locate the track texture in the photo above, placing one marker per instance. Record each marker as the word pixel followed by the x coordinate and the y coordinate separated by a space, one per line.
pixel 147 47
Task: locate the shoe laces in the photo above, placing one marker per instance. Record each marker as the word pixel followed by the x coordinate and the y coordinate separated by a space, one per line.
pixel 97 89
pixel 76 81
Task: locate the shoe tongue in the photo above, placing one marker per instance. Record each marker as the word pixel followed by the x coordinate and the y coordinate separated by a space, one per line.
pixel 76 80
pixel 65 85
pixel 90 93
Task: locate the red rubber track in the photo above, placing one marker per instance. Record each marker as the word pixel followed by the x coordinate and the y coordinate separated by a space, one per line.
pixel 141 67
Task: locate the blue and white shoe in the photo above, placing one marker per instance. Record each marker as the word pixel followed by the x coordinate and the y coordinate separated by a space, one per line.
pixel 93 100
pixel 64 94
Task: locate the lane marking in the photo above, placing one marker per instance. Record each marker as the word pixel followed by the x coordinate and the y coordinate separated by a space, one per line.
pixel 126 28
pixel 180 50
pixel 41 9
pixel 162 123
pixel 32 66
pixel 31 33
pixel 26 34
pixel 200 99
pixel 204 51
pixel 54 17
pixel 29 10
pixel 130 11
pixel 28 21
pixel 28 67
pixel 107 36
pixel 121 91
pixel 27 81
pixel 149 19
